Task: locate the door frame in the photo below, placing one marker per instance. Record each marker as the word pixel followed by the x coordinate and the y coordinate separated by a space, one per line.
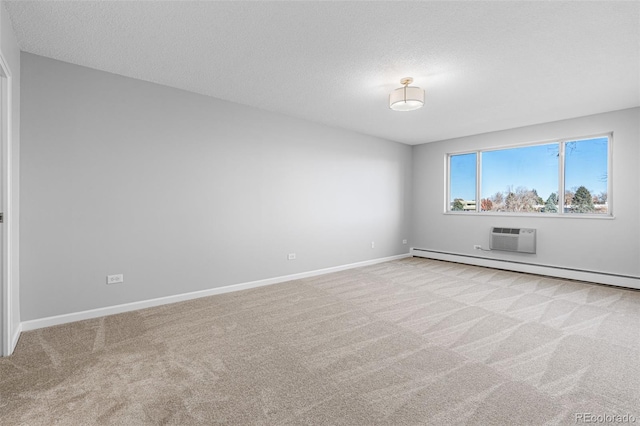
pixel 9 332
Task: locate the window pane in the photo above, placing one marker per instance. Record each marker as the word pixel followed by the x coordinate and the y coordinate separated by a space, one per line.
pixel 585 176
pixel 520 179
pixel 462 182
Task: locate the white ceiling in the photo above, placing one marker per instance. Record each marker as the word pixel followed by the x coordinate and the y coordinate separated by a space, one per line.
pixel 485 65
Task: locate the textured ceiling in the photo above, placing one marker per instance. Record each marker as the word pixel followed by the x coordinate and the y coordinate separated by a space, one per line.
pixel 485 65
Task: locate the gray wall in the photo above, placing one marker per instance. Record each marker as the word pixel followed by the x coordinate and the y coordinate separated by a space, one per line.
pixel 11 54
pixel 603 245
pixel 182 192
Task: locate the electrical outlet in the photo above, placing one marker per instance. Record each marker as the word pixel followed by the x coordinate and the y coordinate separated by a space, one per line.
pixel 477 247
pixel 404 241
pixel 373 244
pixel 291 256
pixel 114 279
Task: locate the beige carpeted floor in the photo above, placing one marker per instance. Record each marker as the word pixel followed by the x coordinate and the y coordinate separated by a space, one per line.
pixel 412 341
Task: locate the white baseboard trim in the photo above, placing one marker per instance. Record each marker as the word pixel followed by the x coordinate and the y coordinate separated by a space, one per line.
pixel 133 306
pixel 553 271
pixel 14 339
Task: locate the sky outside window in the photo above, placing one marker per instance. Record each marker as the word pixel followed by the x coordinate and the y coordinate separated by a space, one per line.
pixel 531 167
pixel 586 164
pixel 462 177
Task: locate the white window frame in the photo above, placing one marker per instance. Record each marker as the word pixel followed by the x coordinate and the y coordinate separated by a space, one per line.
pixel 561 172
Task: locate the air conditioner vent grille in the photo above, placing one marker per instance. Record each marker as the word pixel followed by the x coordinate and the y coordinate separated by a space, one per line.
pixel 506 230
pixel 522 240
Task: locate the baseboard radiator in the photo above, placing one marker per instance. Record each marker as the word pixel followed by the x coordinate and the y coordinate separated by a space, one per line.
pixel 521 240
pixel 602 277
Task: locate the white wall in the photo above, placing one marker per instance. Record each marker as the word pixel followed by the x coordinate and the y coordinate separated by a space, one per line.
pixel 11 54
pixel 182 192
pixel 601 245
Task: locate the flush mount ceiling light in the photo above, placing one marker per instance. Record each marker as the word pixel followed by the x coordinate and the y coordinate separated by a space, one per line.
pixel 406 98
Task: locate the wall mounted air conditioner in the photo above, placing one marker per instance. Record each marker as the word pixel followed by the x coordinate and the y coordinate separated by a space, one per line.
pixel 522 240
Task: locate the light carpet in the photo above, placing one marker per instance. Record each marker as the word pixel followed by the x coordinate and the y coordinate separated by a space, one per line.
pixel 412 341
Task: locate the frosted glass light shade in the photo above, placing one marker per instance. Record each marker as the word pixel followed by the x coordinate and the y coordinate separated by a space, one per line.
pixel 406 98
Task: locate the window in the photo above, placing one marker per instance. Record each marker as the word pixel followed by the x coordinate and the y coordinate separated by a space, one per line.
pixel 586 176
pixel 516 179
pixel 568 177
pixel 462 182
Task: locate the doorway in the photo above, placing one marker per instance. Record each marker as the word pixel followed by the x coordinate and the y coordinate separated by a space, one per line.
pixel 9 324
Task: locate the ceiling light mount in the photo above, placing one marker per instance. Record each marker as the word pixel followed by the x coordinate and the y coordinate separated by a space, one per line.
pixel 406 98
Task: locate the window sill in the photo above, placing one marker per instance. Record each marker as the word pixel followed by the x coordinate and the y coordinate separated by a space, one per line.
pixel 540 215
